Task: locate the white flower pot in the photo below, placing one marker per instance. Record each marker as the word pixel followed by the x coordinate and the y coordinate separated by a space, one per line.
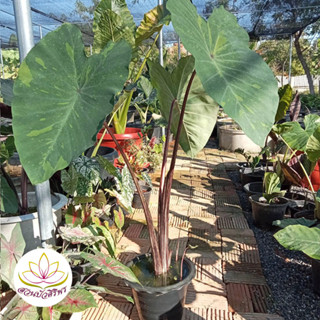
pixel 29 222
pixel 231 139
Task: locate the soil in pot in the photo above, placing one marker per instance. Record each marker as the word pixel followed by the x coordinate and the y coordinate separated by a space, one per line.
pixel 264 213
pixel 155 301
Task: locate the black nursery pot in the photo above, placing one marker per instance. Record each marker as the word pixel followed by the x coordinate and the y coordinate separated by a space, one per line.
pixel 264 214
pixel 136 202
pixel 165 302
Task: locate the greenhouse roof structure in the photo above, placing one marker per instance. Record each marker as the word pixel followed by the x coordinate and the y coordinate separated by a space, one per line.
pixel 258 17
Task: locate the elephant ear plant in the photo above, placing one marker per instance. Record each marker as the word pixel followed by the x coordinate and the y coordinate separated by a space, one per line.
pixel 297 168
pixel 219 72
pixel 62 98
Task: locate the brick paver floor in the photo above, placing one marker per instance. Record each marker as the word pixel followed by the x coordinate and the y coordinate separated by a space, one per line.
pixel 205 213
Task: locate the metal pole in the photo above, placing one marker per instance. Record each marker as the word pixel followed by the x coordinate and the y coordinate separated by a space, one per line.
pixel 90 49
pixel 290 59
pixel 40 32
pixel 1 59
pixel 179 48
pixel 160 41
pixel 22 15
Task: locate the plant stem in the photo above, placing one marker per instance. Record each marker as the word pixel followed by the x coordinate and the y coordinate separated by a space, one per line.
pixel 164 235
pixel 163 246
pixel 120 118
pixel 152 233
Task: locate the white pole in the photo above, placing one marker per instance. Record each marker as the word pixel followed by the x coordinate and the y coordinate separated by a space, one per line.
pixel 40 31
pixel 22 15
pixel 1 59
pixel 290 59
pixel 160 41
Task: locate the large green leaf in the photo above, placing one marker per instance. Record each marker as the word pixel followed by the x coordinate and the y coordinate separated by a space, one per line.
pixel 6 90
pixel 11 251
pixel 112 22
pixel 8 199
pixel 76 301
pixel 306 140
pixel 300 238
pixel 61 99
pixel 110 265
pixel 313 145
pixel 233 75
pixel 201 110
pixel 152 22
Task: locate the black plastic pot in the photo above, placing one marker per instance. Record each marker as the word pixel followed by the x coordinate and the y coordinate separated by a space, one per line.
pixel 316 276
pixel 136 202
pixel 110 154
pixel 248 175
pixel 106 152
pixel 253 188
pixel 162 303
pixel 265 213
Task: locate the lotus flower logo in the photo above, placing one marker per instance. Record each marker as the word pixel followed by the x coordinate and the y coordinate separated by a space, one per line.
pixel 43 274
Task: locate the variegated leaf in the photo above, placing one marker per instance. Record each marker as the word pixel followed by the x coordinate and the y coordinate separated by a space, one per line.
pixel 236 77
pixel 61 99
pixel 110 265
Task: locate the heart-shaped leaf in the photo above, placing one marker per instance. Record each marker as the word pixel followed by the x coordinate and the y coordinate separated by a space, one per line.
pixel 301 238
pixel 201 110
pixel 22 311
pixel 112 22
pixel 233 75
pixel 297 137
pixel 76 301
pixel 110 265
pixel 61 98
pixel 11 252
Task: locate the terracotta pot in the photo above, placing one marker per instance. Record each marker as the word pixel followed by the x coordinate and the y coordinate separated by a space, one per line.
pixel 130 133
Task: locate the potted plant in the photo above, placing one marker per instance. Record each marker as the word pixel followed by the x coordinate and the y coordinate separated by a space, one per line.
pixel 271 205
pixel 303 152
pixel 189 99
pixel 251 170
pixel 115 22
pixel 12 250
pixel 21 207
pixel 305 239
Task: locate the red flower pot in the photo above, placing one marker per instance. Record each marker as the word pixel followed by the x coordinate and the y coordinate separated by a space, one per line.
pixel 130 133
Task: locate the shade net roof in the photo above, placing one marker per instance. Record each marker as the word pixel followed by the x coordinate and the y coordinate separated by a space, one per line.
pixel 258 17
